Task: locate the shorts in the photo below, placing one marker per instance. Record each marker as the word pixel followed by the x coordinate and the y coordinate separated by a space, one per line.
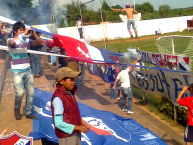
pixel 188 133
pixel 129 22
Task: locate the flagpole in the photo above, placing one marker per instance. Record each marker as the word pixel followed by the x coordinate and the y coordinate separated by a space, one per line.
pixel 103 25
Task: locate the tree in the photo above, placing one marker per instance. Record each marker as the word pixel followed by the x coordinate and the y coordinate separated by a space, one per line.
pixel 105 6
pixel 145 8
pixel 164 11
pixel 73 11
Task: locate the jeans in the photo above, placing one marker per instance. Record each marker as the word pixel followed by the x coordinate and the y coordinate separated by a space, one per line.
pixel 77 83
pixel 21 81
pixel 82 72
pixel 53 60
pixel 35 63
pixel 127 92
pixel 113 92
pixel 80 32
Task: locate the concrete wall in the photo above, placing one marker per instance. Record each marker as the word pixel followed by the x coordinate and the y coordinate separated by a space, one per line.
pixel 119 30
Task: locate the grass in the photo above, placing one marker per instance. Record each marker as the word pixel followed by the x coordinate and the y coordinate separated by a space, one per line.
pixel 147 45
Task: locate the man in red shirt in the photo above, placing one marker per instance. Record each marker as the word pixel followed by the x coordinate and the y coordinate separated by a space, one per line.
pixel 188 102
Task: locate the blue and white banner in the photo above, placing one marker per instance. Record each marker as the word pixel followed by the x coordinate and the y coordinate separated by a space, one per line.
pixel 163 83
pixel 159 59
pixel 105 127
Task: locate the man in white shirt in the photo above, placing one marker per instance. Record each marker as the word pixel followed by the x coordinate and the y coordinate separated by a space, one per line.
pixel 123 77
pixel 79 25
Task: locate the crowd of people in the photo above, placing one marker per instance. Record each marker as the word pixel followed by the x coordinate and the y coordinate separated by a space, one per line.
pixel 66 115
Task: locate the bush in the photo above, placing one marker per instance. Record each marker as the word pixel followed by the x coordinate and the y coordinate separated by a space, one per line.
pixel 182 116
pixel 167 108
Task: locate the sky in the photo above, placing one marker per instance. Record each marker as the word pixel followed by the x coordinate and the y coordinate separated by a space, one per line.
pixel 155 3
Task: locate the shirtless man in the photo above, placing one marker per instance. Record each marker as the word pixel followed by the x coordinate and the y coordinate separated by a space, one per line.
pixel 129 11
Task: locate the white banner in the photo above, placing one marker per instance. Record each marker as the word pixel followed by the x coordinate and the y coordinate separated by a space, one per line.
pixel 163 83
pixel 159 59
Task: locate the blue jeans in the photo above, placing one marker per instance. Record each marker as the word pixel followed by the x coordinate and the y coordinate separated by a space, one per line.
pixel 77 83
pixel 35 63
pixel 114 92
pixel 21 81
pixel 82 72
pixel 53 60
pixel 127 92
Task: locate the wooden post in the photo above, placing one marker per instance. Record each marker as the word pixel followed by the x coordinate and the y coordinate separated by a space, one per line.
pixel 175 113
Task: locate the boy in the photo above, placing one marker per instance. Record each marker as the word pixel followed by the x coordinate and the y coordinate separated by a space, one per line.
pixel 66 115
pixel 188 102
pixel 20 68
pixel 79 25
pixel 36 58
pixel 111 73
pixel 129 11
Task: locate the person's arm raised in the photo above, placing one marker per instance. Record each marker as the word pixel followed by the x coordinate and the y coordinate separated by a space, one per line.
pixel 135 11
pixel 130 67
pixel 182 92
pixel 37 41
pixel 117 9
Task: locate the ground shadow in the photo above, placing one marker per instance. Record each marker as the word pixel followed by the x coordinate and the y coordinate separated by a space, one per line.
pixel 88 93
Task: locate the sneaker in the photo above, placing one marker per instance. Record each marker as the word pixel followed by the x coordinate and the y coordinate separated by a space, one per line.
pixel 124 110
pixel 31 116
pixel 129 112
pixel 131 37
pixel 82 82
pixel 118 98
pixel 17 114
pixel 136 37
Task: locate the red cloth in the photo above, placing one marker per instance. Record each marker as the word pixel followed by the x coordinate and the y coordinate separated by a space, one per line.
pixel 188 102
pixel 71 111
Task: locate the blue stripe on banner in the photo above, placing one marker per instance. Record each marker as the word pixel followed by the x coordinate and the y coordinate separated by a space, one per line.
pixel 103 75
pixel 111 53
pixel 105 127
pixel 43 32
pixel 101 62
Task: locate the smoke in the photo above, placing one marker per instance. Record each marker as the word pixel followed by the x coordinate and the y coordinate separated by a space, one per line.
pixel 31 14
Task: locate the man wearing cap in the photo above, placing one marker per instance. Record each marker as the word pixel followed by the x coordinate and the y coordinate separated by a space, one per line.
pixel 79 25
pixel 129 11
pixel 66 115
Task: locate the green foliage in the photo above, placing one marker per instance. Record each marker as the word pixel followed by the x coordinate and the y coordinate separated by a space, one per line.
pixel 145 8
pixel 164 11
pixel 105 6
pixel 182 115
pixel 73 11
pixel 166 107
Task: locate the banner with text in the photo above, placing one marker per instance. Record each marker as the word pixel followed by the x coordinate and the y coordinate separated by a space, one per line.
pixel 159 59
pixel 162 83
pixel 106 128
